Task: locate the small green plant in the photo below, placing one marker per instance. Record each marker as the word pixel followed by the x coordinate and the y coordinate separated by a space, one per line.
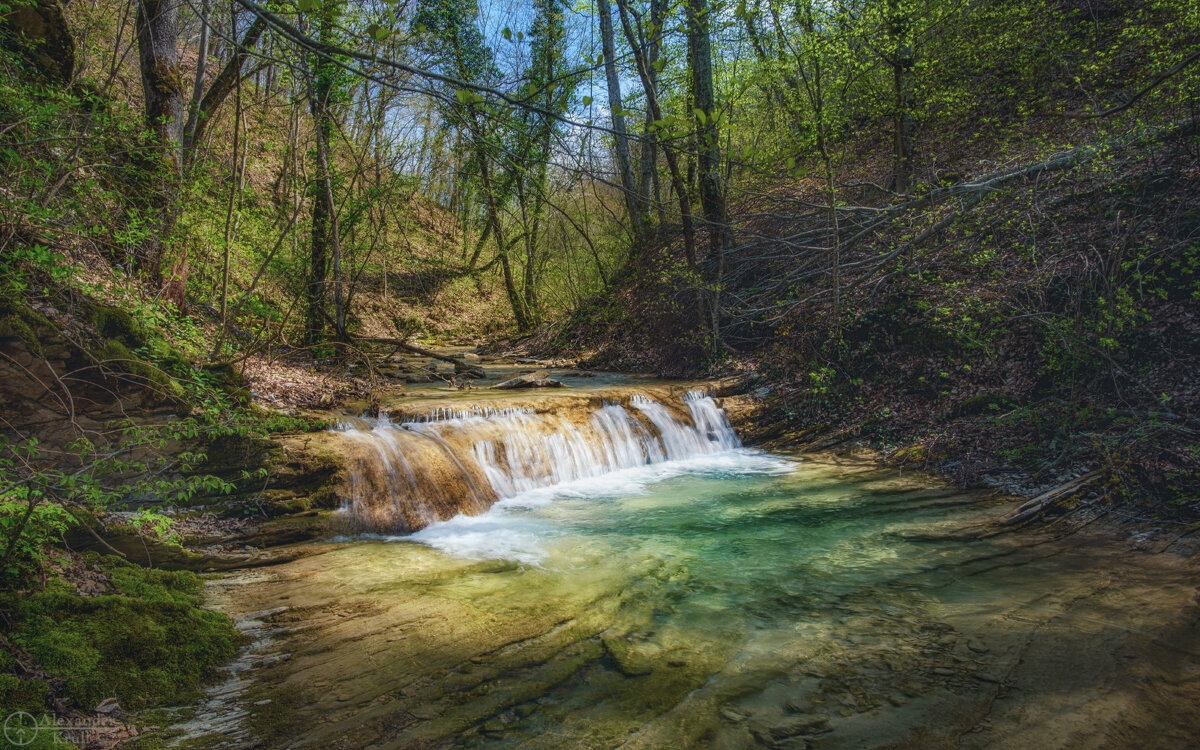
pixel 153 522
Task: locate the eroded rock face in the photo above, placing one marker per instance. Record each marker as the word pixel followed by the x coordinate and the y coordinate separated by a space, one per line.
pixel 39 32
pixel 61 371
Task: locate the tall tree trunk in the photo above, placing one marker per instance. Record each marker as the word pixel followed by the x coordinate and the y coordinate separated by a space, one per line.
pixel 649 133
pixel 620 134
pixel 685 209
pixel 902 60
pixel 333 235
pixel 712 193
pixel 708 147
pixel 162 76
pixel 206 107
pixel 502 249
pixel 324 212
pixel 157 26
pixel 769 83
pixel 201 71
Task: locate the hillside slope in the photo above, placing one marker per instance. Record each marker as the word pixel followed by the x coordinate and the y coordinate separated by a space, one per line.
pixel 1030 319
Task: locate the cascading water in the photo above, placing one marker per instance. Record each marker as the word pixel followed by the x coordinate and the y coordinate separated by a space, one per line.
pixel 413 473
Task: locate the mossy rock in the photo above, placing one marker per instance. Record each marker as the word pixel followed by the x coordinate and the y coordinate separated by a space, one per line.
pixel 630 662
pixel 31 327
pixel 224 376
pixel 117 323
pixel 40 33
pixel 155 648
pixel 135 546
pixel 149 377
pixel 292 529
pixel 911 454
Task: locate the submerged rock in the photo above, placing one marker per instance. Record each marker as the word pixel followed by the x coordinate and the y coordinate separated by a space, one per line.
pixel 535 379
pixel 464 370
pixel 794 726
pixel 629 661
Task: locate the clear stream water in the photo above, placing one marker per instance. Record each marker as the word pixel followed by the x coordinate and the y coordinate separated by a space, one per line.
pixel 726 597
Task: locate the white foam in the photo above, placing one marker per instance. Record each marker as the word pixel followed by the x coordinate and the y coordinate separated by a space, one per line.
pixel 528 458
pixel 490 540
pixel 507 532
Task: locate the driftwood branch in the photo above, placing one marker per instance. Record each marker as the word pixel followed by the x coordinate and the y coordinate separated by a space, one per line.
pixel 401 344
pixel 1049 498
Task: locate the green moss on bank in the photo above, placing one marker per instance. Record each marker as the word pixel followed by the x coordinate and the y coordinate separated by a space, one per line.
pixel 22 322
pixel 116 352
pixel 116 323
pixel 146 642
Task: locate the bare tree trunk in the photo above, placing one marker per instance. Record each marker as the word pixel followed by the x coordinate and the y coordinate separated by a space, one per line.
pixel 620 134
pixel 157 26
pixel 234 190
pixel 201 71
pixel 902 64
pixel 712 194
pixel 685 209
pixel 814 87
pixel 649 134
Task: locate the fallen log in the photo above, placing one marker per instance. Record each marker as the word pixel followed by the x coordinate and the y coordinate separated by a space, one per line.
pixel 1043 501
pixel 400 344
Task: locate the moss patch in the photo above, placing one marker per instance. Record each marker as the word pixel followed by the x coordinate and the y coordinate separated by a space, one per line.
pixel 116 323
pixel 149 645
pixel 20 322
pixel 20 694
pixel 116 352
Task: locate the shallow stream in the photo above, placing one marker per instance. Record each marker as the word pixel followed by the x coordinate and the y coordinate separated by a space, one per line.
pixel 732 598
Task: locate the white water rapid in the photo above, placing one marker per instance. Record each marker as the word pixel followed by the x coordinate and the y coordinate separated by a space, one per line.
pixel 410 474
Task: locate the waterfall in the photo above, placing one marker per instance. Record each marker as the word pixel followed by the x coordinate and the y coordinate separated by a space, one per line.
pixel 406 475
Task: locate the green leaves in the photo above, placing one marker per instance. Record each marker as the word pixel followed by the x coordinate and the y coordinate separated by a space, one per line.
pixel 587 101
